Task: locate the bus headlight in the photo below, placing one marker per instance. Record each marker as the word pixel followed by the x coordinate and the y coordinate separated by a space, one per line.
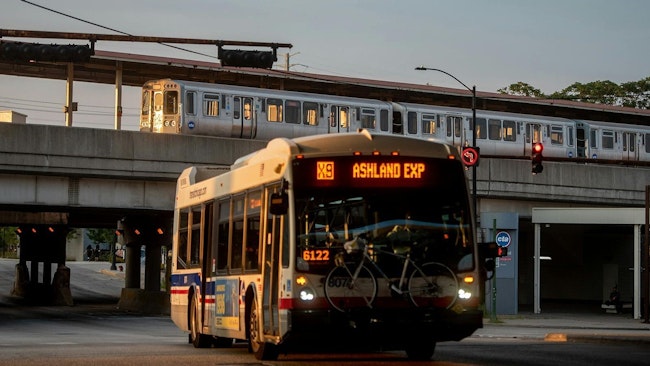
pixel 306 294
pixel 462 294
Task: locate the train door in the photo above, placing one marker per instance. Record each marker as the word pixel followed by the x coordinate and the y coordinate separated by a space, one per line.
pixel 455 135
pixel 533 135
pixel 146 112
pixel 271 271
pixel 244 124
pixel 339 119
pixel 157 112
pixel 630 148
pixel 581 140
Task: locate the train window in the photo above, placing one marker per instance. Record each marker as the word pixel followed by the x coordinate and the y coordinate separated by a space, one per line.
pixel 494 129
pixel 248 109
pixel 428 124
pixel 310 113
pixel 211 105
pixel 412 123
pixel 509 130
pixel 344 117
pixel 146 102
pixel 647 144
pixel 292 111
pixel 368 119
pixel 236 108
pixel 608 139
pixel 274 110
pixel 569 137
pixel 480 128
pixel 383 119
pixel 171 102
pixel 557 135
pixel 592 137
pixel 190 108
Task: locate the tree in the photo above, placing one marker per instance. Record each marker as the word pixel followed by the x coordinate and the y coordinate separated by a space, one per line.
pixel 101 236
pixel 635 94
pixel 8 239
pixel 522 89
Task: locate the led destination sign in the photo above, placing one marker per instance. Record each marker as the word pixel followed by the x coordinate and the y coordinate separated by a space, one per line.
pixel 367 171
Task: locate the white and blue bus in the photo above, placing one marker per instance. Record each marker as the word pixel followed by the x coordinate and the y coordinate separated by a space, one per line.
pixel 332 237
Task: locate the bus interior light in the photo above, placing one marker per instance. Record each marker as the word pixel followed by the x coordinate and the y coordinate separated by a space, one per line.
pixel 394 153
pixel 357 153
pixel 376 153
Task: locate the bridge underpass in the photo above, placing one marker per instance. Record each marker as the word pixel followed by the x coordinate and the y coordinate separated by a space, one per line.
pixel 93 178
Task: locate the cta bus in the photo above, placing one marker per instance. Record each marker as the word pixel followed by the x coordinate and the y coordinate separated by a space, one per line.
pixel 353 238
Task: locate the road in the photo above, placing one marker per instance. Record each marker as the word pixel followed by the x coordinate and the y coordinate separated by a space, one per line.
pixel 94 332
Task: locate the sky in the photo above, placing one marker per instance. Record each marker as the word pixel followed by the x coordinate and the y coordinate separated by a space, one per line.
pixel 548 44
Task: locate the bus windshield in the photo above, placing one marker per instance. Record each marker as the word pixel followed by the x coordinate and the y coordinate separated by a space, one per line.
pixel 430 221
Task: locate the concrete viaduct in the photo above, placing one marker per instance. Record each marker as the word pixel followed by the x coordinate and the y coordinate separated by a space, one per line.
pixel 56 178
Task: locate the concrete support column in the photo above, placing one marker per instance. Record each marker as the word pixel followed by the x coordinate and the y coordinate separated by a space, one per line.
pixel 152 266
pixel 132 260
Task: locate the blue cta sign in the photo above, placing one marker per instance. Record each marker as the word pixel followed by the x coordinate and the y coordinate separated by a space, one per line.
pixel 503 239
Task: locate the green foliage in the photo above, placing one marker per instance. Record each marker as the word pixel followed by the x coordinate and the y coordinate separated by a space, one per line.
pixel 635 94
pixel 8 241
pixel 101 236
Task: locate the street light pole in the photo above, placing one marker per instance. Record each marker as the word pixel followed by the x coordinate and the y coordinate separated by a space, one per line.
pixel 473 90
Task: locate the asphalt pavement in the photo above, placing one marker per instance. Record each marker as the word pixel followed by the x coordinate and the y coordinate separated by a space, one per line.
pixel 94 282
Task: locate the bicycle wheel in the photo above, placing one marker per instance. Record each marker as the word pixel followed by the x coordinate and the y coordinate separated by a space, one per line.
pixel 433 285
pixel 344 292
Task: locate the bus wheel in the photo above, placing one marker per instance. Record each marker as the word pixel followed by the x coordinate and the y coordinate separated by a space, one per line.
pixel 198 340
pixel 420 349
pixel 262 350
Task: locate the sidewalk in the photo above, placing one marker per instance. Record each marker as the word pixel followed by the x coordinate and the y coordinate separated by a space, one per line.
pixel 567 327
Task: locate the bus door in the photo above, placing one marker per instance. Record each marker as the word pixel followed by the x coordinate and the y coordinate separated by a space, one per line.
pixel 455 134
pixel 243 121
pixel 629 146
pixel 271 272
pixel 533 135
pixel 339 119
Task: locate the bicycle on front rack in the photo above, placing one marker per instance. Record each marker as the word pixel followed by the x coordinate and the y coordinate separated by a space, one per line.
pixel 352 284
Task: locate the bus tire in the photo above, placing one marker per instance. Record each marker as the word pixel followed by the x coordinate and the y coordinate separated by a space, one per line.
pixel 262 350
pixel 197 339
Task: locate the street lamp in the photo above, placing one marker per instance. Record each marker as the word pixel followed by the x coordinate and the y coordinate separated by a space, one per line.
pixel 473 90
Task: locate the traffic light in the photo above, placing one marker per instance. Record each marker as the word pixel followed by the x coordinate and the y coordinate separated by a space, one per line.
pixel 493 250
pixel 19 51
pixel 537 158
pixel 240 58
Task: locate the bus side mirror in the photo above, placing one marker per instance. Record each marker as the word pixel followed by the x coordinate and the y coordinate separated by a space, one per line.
pixel 279 203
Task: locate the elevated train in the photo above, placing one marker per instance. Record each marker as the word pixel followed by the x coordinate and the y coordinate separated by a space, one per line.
pixel 194 108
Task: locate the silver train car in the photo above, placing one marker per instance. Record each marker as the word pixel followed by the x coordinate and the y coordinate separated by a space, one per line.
pixel 185 107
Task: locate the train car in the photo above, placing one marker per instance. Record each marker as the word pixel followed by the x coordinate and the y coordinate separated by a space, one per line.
pixel 196 108
pixel 497 133
pixel 612 141
pixel 173 106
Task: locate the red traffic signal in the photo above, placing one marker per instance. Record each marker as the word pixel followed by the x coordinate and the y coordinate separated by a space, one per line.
pixel 537 157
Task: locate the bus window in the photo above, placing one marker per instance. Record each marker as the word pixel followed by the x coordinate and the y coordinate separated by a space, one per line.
pixel 237 237
pixel 428 124
pixel 223 235
pixel 195 238
pixel 254 204
pixel 292 111
pixel 181 255
pixel 274 110
pixel 494 129
pixel 310 111
pixel 211 105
